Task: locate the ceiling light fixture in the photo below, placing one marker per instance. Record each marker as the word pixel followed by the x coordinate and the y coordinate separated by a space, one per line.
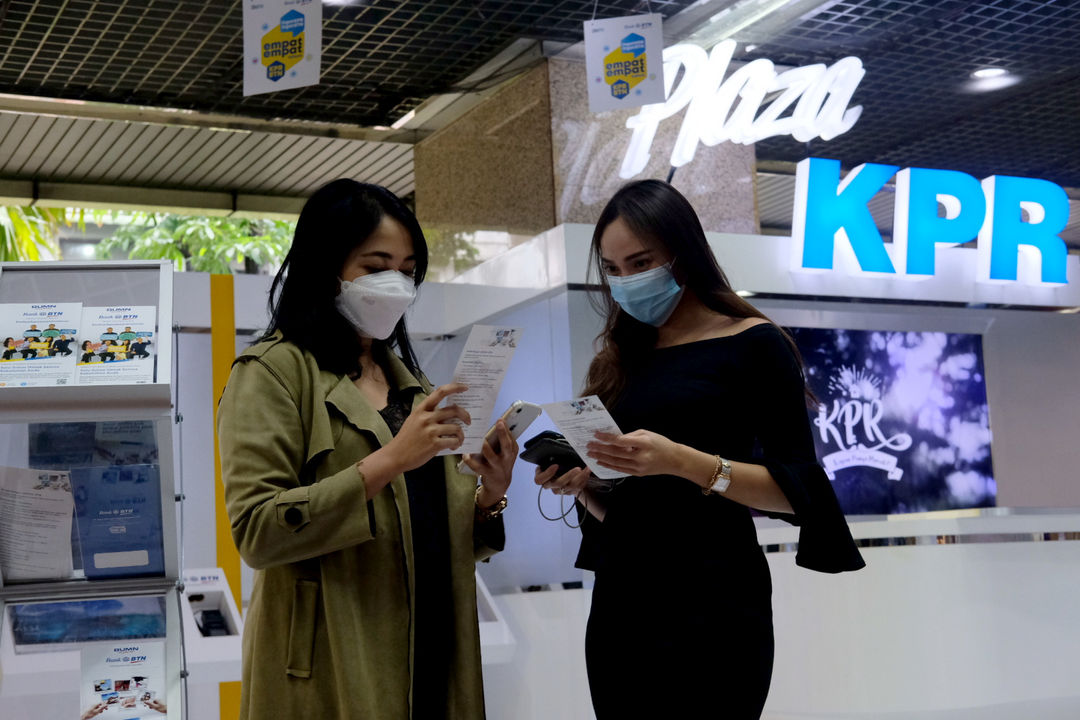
pixel 988 79
pixel 403 119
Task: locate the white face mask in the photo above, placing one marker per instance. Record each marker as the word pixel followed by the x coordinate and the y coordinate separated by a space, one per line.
pixel 374 303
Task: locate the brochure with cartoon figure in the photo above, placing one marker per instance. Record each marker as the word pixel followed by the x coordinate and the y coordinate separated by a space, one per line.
pixel 38 342
pixel 117 345
pixel 123 681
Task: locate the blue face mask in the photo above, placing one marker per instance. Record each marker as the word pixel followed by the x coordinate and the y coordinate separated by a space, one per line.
pixel 649 296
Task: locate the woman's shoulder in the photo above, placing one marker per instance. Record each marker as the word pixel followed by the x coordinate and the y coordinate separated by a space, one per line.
pixel 758 342
pixel 285 360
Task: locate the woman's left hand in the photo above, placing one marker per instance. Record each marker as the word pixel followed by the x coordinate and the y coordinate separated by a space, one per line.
pixel 495 467
pixel 637 453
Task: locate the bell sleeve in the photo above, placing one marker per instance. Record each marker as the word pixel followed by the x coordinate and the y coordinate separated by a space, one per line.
pixel 786 447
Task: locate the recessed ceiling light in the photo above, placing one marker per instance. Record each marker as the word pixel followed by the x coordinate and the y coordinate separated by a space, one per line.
pixel 989 72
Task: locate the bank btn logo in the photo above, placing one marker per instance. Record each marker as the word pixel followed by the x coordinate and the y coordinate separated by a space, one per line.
pixel 283 46
pixel 626 65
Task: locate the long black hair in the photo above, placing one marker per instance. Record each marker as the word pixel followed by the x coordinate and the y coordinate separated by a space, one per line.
pixel 658 214
pixel 336 219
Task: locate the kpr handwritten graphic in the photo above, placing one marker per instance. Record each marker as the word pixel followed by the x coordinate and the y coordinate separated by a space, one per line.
pixel 902 422
pixel 853 424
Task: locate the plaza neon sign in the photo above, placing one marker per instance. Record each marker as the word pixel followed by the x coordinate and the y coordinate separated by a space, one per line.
pixel 831 217
pixel 726 109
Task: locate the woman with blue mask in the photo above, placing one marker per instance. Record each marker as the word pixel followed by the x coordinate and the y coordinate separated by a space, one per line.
pixel 363 538
pixel 711 397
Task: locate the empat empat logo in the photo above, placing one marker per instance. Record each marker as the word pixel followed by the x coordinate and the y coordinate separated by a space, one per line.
pixel 626 65
pixel 283 46
pixel 853 423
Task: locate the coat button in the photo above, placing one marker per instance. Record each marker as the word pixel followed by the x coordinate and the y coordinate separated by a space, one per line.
pixel 293 516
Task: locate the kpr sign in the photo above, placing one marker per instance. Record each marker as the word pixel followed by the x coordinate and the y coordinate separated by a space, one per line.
pixel 723 109
pixel 832 215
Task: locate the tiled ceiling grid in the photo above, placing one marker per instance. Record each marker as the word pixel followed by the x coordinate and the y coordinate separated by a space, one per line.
pixel 919 55
pixel 380 57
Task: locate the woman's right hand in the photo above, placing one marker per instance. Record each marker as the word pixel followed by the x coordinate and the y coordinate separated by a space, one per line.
pixel 572 482
pixel 94 710
pixel 429 429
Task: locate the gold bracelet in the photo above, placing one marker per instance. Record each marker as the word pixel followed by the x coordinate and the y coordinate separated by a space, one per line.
pixel 721 474
pixel 488 513
pixel 707 490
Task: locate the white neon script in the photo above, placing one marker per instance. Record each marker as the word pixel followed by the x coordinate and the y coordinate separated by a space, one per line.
pixel 820 95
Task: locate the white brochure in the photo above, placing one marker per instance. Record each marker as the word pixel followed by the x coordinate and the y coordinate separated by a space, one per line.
pixel 578 421
pixel 117 345
pixel 123 680
pixel 38 343
pixel 35 524
pixel 482 366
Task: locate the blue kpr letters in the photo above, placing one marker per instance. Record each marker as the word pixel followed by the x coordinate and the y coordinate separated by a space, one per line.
pixel 830 210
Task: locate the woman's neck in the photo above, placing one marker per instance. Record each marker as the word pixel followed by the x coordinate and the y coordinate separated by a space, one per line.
pixel 690 321
pixel 367 355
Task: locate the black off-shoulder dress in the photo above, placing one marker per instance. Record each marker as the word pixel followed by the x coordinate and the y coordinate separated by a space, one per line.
pixel 681 618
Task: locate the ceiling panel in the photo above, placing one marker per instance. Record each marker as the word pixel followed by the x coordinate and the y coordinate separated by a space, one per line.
pixel 146 155
pixel 918 105
pixel 380 57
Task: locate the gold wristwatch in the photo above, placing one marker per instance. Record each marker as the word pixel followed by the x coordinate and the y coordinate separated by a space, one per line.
pixel 488 513
pixel 720 479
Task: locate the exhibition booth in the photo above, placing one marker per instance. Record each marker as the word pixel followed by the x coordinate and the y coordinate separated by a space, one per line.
pixel 948 413
pixel 944 369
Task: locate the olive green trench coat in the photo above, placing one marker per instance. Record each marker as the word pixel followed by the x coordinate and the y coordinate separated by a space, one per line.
pixel 329 633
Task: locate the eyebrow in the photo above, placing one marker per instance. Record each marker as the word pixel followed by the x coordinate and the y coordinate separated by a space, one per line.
pixel 632 256
pixel 385 255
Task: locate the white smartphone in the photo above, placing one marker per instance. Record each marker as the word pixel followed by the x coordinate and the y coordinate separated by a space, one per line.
pixel 517 417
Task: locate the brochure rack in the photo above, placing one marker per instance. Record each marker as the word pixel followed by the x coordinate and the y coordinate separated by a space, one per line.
pixel 110 425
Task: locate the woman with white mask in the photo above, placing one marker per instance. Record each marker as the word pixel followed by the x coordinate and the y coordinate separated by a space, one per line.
pixel 711 397
pixel 363 538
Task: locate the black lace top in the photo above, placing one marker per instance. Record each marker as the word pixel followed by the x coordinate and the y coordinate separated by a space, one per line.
pixel 434 612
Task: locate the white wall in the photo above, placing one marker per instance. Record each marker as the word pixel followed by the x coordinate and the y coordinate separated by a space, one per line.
pixel 927 632
pixel 538 551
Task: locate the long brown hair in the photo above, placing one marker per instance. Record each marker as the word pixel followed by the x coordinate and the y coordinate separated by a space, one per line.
pixel 658 214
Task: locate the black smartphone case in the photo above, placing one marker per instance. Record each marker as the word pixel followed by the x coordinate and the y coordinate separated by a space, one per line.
pixel 550 448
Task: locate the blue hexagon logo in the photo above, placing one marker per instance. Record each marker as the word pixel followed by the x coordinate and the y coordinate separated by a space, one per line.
pixel 620 89
pixel 275 70
pixel 633 44
pixel 292 22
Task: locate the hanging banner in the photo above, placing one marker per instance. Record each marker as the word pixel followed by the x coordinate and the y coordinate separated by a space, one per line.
pixel 282 44
pixel 624 62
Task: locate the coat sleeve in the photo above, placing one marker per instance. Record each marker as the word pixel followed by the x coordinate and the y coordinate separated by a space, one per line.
pixel 275 518
pixel 787 451
pixel 489 537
